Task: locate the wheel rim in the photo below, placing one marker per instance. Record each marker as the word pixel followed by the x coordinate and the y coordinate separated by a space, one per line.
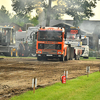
pixel 11 53
pixel 16 53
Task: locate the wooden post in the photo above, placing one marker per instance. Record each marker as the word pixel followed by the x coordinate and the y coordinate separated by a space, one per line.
pixel 66 74
pixel 87 74
pixel 88 70
pixel 34 86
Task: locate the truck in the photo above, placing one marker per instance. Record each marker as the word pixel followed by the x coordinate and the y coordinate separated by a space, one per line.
pixel 77 40
pixel 31 38
pixel 10 40
pixel 7 41
pixel 52 43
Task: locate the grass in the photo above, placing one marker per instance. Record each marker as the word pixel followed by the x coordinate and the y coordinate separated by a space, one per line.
pixel 17 57
pixel 81 58
pixel 90 58
pixel 81 88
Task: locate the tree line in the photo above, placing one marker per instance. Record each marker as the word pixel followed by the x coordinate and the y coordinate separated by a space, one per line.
pixel 7 18
pixel 79 10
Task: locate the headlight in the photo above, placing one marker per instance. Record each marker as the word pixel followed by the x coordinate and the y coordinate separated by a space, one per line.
pixel 58 46
pixel 59 52
pixel 39 51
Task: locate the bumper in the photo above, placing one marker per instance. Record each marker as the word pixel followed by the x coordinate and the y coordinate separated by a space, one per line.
pixel 49 55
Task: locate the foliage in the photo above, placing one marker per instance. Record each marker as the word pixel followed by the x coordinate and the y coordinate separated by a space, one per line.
pixel 81 88
pixel 78 9
pixel 19 20
pixel 4 15
pixel 34 20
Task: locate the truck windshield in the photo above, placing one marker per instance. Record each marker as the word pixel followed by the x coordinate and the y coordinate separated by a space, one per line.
pixel 84 41
pixel 50 35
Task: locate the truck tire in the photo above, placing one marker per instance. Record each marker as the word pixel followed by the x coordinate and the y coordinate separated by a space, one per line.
pixel 5 54
pixel 44 58
pixel 11 53
pixel 77 57
pixel 72 53
pixel 39 58
pixel 67 55
pixel 86 57
pixel 15 53
pixel 62 58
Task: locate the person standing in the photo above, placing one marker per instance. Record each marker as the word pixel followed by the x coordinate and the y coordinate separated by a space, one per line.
pixel 26 52
pixel 21 49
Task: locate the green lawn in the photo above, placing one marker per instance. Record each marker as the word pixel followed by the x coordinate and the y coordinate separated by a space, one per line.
pixel 81 88
pixel 17 57
pixel 81 58
pixel 90 58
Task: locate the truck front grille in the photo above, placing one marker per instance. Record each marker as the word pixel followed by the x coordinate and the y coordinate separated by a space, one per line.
pixel 49 46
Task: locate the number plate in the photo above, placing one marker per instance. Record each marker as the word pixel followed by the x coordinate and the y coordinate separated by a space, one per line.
pixel 49 55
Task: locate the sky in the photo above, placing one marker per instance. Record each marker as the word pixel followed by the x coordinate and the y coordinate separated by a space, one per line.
pixel 7 4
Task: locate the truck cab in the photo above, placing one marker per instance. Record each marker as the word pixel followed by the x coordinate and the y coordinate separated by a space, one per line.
pixel 51 43
pixel 7 41
pixel 7 36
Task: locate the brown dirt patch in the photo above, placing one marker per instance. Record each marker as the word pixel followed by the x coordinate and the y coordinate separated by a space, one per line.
pixel 16 74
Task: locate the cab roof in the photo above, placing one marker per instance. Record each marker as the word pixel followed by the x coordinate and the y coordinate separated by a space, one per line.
pixel 51 28
pixel 6 27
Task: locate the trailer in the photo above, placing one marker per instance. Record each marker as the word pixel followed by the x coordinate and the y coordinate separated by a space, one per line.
pixel 52 43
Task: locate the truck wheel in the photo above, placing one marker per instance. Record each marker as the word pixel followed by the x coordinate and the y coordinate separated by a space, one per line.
pixel 62 58
pixel 66 57
pixel 5 54
pixel 16 53
pixel 76 57
pixel 86 57
pixel 69 53
pixel 11 53
pixel 39 58
pixel 44 58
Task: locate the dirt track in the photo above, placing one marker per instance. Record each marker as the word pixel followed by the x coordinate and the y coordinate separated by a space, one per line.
pixel 16 74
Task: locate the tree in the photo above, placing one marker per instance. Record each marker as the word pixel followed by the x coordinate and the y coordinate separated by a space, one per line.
pixel 78 9
pixel 23 7
pixel 20 20
pixel 34 20
pixel 4 15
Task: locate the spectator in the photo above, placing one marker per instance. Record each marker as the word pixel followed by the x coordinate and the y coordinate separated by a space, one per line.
pixel 20 30
pixel 21 49
pixel 26 49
